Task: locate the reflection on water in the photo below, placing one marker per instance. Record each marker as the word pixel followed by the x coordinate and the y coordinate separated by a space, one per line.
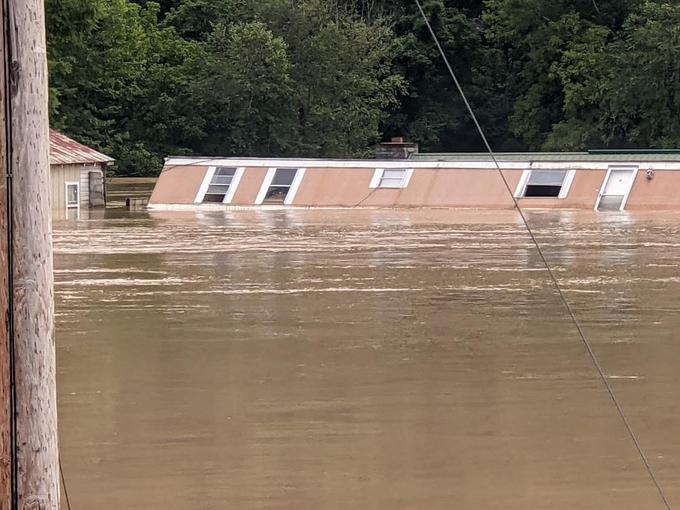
pixel 375 359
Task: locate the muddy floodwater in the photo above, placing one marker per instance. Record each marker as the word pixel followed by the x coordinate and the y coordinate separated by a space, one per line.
pixel 366 359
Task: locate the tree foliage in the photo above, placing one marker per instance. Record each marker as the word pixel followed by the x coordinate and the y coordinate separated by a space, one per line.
pixel 142 80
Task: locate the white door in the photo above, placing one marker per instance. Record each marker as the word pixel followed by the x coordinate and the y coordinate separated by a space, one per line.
pixel 618 182
pixel 616 188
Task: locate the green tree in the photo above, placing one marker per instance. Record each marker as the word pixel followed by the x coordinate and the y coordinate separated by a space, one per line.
pixel 195 19
pixel 624 90
pixel 111 74
pixel 432 111
pixel 245 92
pixel 534 36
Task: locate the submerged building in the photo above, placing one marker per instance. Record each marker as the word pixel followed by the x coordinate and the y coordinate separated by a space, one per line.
pixel 77 174
pixel 611 180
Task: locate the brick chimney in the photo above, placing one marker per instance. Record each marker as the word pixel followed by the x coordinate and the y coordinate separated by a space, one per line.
pixel 396 148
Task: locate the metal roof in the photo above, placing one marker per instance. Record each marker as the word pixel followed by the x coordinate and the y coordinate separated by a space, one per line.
pixel 592 156
pixel 66 151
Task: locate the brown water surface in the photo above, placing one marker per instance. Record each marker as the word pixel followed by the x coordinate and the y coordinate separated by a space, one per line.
pixel 365 360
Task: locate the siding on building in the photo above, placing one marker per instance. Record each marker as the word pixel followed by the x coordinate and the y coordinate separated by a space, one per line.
pixel 661 192
pixel 72 162
pixel 182 185
pixel 60 175
pixel 84 187
pixel 249 187
pixel 474 183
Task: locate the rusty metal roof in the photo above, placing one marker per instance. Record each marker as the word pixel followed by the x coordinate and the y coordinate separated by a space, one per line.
pixel 66 151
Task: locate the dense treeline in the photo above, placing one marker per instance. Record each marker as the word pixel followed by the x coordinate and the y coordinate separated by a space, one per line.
pixel 141 80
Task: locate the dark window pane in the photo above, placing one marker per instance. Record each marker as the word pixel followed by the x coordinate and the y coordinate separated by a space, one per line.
pixel 284 176
pixel 214 198
pixel 72 194
pixel 225 171
pixel 221 179
pixel 276 194
pixel 217 189
pixel 543 191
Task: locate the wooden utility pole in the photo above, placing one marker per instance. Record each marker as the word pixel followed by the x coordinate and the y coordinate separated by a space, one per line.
pixel 5 377
pixel 32 301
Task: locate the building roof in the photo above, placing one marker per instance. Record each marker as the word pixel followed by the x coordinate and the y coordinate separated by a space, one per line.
pixel 66 151
pixel 595 156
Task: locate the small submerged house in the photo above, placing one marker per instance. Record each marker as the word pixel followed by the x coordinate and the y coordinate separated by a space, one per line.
pixel 77 174
pixel 601 180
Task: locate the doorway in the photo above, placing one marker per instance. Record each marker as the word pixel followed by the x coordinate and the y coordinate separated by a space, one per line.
pixel 96 189
pixel 615 189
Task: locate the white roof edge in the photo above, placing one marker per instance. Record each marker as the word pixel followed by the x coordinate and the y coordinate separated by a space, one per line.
pixel 408 163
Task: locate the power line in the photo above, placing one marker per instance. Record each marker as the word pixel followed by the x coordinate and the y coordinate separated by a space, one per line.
pixel 563 298
pixel 63 483
pixel 14 463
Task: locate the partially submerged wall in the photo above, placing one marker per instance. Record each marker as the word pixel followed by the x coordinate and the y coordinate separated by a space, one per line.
pixel 662 191
pixel 178 185
pixel 353 184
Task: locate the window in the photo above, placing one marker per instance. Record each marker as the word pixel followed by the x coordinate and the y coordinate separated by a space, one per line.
pixel 72 195
pixel 545 184
pixel 392 179
pixel 395 178
pixel 219 185
pixel 280 186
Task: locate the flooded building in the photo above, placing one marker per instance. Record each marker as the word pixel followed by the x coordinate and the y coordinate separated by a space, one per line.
pixel 612 180
pixel 77 174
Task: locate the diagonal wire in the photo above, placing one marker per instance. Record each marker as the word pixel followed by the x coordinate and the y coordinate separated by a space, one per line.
pixel 63 483
pixel 563 298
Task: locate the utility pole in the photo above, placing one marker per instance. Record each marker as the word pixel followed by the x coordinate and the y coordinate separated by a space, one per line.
pixel 5 369
pixel 28 280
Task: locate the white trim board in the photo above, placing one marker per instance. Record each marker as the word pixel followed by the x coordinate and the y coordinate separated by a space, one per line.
pixel 203 188
pixel 377 176
pixel 233 187
pixel 295 185
pixel 407 178
pixel 66 185
pixel 410 164
pixel 522 184
pixel 268 178
pixel 566 184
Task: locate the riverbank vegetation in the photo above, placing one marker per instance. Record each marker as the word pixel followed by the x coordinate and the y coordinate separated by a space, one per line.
pixel 140 80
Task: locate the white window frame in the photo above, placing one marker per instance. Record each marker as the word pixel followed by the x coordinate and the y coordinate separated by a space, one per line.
pixel 66 185
pixel 635 170
pixel 295 186
pixel 235 181
pixel 564 191
pixel 292 191
pixel 378 176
